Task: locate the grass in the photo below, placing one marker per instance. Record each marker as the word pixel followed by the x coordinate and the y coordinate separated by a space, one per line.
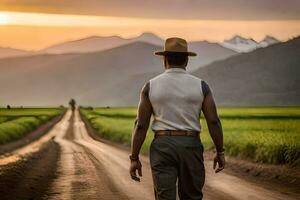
pixel 29 111
pixel 17 122
pixel 3 119
pixel 267 135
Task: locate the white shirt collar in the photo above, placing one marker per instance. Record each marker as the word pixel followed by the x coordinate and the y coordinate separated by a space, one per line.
pixel 178 70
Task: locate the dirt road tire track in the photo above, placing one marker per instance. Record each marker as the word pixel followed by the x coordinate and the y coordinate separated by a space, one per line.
pixel 80 175
pixel 31 177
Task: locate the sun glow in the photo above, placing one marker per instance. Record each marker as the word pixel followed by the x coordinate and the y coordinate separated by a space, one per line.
pixel 67 20
pixel 4 19
pixel 42 29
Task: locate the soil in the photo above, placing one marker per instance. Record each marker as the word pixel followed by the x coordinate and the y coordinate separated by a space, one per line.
pixel 30 177
pixel 283 178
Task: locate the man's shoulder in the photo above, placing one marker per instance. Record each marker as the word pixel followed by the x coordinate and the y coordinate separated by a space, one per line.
pixel 159 76
pixel 146 86
pixel 194 77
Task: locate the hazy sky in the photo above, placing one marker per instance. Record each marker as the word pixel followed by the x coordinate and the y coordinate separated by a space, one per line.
pixel 27 24
pixel 193 9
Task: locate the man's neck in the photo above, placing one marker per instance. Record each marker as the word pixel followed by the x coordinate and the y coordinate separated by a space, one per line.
pixel 175 67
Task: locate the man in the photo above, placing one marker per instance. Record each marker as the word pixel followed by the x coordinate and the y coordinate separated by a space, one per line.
pixel 72 103
pixel 175 99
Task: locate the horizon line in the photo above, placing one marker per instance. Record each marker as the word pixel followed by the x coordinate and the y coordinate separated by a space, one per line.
pixel 129 38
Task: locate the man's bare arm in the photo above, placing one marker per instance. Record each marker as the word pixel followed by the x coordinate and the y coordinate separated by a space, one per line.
pixel 142 122
pixel 214 125
pixel 139 133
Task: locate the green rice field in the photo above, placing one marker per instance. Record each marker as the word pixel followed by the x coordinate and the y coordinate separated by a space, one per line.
pixel 17 122
pixel 267 134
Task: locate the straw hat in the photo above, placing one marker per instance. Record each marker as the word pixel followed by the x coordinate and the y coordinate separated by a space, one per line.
pixel 175 45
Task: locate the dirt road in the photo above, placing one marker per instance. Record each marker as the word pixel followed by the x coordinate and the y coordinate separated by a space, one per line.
pixel 90 169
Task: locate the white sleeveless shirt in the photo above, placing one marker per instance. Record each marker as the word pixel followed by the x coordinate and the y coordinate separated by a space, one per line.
pixel 176 97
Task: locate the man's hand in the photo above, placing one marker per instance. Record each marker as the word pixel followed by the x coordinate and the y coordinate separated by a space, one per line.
pixel 220 160
pixel 135 165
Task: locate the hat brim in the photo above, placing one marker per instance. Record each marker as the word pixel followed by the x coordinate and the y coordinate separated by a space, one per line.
pixel 165 53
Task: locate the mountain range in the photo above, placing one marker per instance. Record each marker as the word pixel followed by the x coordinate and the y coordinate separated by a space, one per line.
pixel 98 43
pixel 242 45
pixel 52 79
pixel 265 77
pixel 237 44
pixel 114 77
pixel 207 52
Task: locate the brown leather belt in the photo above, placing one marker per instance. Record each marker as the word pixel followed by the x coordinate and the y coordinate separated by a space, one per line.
pixel 176 133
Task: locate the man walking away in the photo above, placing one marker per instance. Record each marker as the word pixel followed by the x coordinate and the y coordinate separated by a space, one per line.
pixel 176 98
pixel 72 103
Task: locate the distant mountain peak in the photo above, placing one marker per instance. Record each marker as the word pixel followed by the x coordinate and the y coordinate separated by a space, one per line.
pixel 150 37
pixel 148 34
pixel 241 44
pixel 237 39
pixel 268 37
pixel 268 40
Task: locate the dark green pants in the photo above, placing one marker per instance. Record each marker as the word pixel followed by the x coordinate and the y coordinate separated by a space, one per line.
pixel 177 159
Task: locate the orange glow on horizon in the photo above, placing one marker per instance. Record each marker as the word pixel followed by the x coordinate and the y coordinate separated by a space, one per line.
pixel 40 29
pixel 4 19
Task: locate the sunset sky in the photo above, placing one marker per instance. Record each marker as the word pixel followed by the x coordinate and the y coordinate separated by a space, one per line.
pixel 35 24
